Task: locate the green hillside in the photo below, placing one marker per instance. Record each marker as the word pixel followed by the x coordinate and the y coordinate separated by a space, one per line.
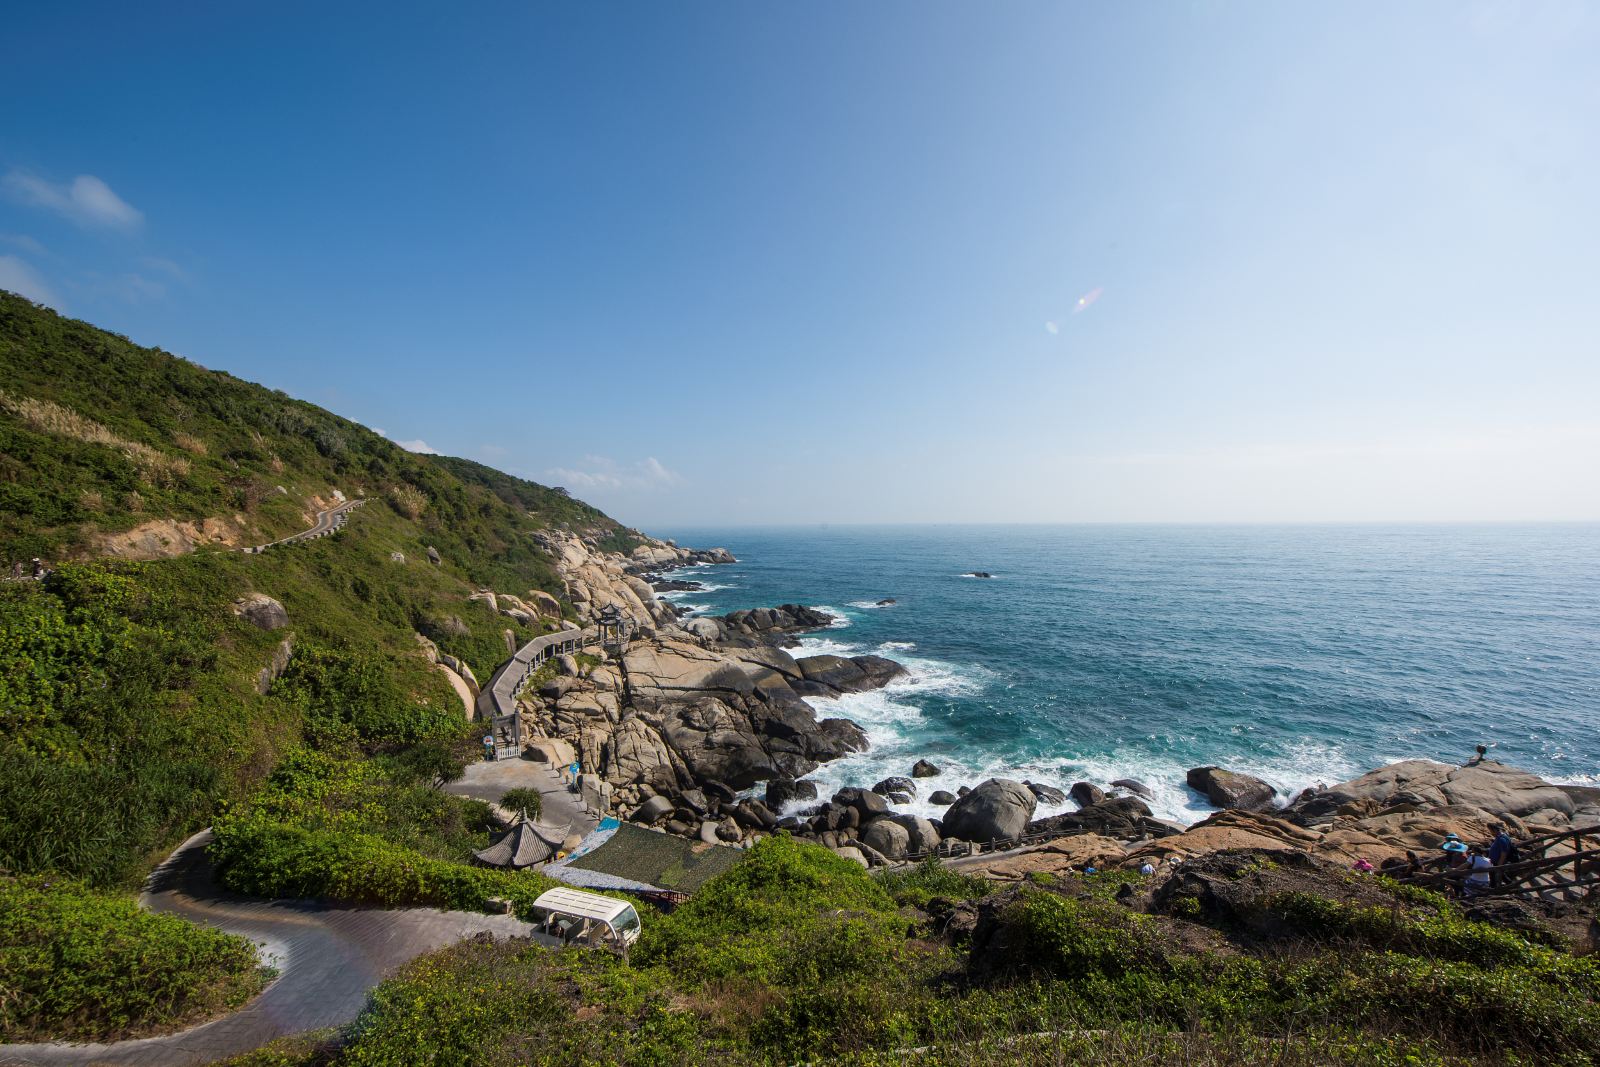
pixel 129 690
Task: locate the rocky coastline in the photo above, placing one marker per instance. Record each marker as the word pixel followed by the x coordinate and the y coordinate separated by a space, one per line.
pixel 699 726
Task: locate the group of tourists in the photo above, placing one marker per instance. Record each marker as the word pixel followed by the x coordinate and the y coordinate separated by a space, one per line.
pixel 1480 863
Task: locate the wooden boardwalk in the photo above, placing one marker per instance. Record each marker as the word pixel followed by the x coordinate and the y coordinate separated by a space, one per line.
pixel 1558 866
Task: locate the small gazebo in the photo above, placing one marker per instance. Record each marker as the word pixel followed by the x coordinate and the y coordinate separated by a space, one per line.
pixel 613 627
pixel 524 844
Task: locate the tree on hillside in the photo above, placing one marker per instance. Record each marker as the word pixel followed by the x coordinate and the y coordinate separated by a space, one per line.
pixel 525 801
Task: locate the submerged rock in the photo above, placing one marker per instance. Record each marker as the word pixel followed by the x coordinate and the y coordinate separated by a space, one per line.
pixel 1231 790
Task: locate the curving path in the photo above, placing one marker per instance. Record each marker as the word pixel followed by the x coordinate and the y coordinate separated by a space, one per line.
pixel 328 957
pixel 327 522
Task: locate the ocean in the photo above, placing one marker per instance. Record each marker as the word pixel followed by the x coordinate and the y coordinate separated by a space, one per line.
pixel 1301 654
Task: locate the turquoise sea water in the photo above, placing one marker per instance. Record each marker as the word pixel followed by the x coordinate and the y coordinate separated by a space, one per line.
pixel 1298 653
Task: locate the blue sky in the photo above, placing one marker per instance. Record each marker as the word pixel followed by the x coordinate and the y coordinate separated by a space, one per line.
pixel 748 263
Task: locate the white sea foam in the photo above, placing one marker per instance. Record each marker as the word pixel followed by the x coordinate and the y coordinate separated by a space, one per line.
pixel 840 618
pixel 896 646
pixel 869 605
pixel 897 729
pixel 812 645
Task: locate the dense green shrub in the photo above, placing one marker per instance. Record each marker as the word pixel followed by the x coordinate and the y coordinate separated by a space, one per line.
pixel 261 857
pixel 81 965
pixel 747 922
pixel 916 886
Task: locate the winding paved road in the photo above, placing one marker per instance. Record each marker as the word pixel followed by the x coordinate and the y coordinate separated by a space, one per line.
pixel 327 522
pixel 328 957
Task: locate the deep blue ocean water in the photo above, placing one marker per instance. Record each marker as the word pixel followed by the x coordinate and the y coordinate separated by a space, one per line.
pixel 1302 654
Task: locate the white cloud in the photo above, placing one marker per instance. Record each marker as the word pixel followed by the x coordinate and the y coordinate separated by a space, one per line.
pixel 420 446
pixel 165 266
pixel 20 278
pixel 24 242
pixel 601 472
pixel 1052 327
pixel 136 288
pixel 86 200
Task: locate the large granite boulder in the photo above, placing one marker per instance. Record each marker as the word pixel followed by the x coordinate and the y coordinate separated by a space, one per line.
pixel 999 808
pixel 921 834
pixel 1087 794
pixel 668 670
pixel 261 611
pixel 887 837
pixel 1230 789
pixel 657 807
pixel 924 769
pixel 1489 786
pixel 639 754
pixel 843 737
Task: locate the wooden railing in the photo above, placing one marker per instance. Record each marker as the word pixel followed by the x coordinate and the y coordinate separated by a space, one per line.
pixel 1538 872
pixel 499 697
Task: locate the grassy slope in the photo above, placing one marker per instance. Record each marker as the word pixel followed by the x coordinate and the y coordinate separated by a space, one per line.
pixel 127 690
pixel 798 956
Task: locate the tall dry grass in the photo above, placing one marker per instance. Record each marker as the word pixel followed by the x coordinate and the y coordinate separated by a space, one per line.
pixel 49 417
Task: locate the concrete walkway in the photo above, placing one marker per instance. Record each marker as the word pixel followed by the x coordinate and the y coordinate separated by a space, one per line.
pixel 326 522
pixel 490 780
pixel 328 957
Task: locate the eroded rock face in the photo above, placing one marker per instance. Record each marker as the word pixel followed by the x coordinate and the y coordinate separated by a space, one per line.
pixel 274 669
pixel 1228 830
pixel 999 808
pixel 1230 789
pixel 855 675
pixel 1489 786
pixel 715 741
